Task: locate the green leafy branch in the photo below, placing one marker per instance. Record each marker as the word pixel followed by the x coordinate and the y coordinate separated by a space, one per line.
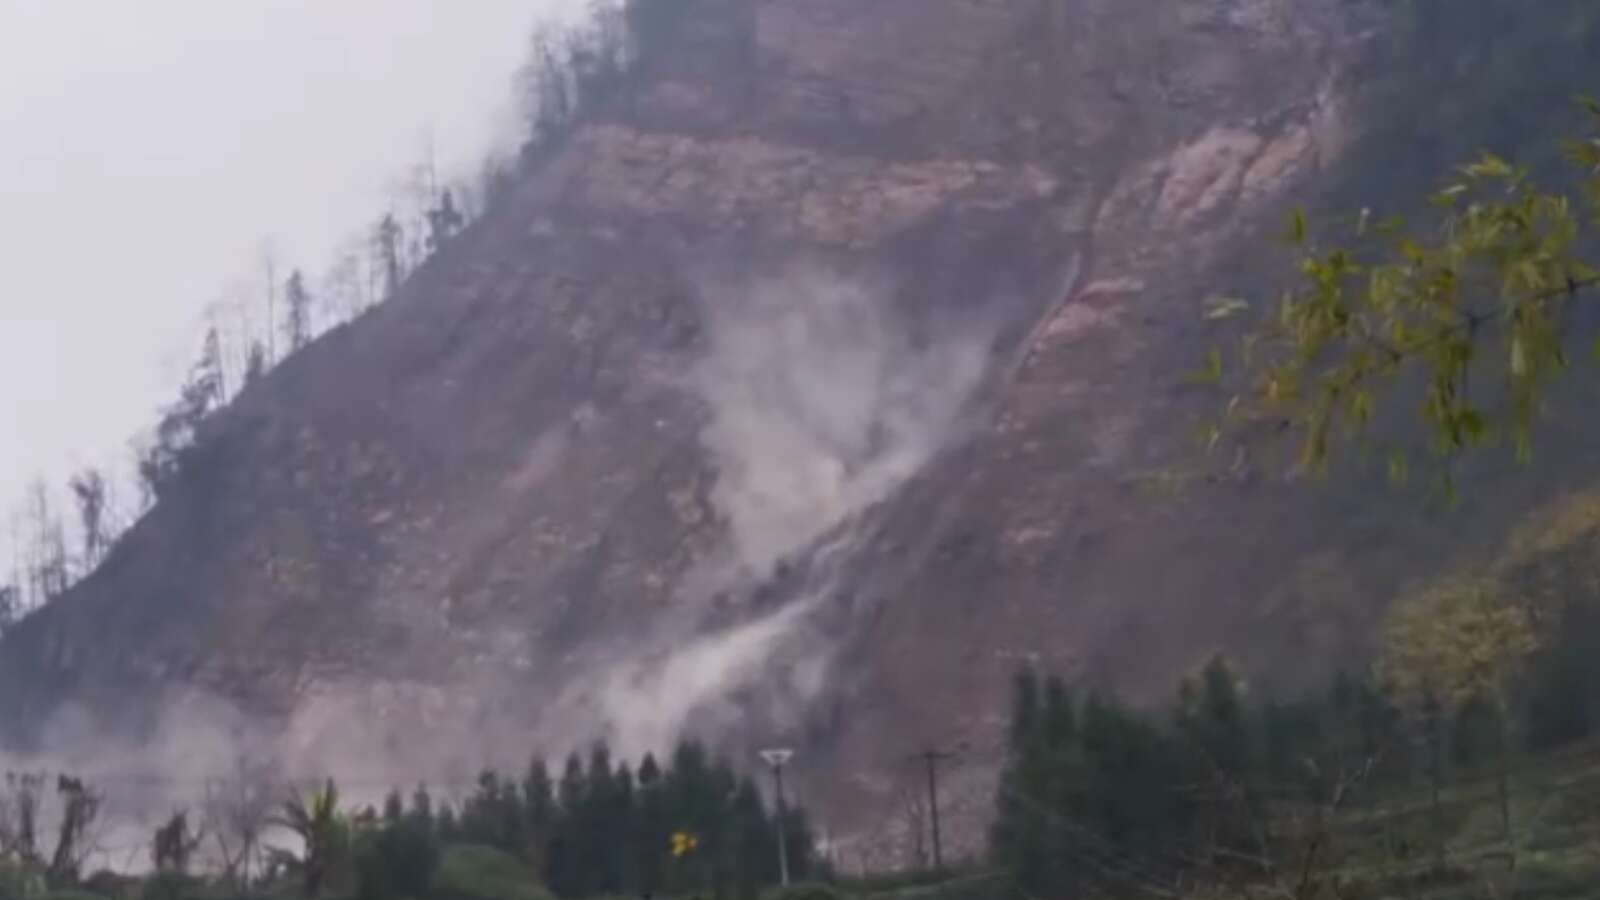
pixel 1486 291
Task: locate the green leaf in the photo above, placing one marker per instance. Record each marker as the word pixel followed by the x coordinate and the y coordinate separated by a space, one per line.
pixel 1447 197
pixel 1399 467
pixel 1489 166
pixel 1224 307
pixel 1523 443
pixel 1211 373
pixel 1298 229
pixel 1361 404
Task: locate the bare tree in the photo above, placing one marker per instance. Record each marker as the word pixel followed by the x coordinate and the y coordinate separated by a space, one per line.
pixel 80 807
pixel 238 809
pixel 269 267
pixel 22 797
pixel 174 844
pixel 159 460
pixel 237 322
pixel 19 815
pixel 90 493
pixel 49 568
pixel 297 317
pixel 444 221
pixel 345 292
pixel 387 242
pixel 210 372
pixel 256 363
pixel 546 88
pixel 10 606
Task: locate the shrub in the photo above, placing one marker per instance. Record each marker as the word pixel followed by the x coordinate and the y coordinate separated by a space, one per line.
pixel 472 872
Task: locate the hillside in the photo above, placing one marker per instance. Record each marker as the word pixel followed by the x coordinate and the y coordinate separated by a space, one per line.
pixel 795 397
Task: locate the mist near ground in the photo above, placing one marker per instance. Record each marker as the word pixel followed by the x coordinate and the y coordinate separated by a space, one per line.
pixel 818 404
pixel 154 149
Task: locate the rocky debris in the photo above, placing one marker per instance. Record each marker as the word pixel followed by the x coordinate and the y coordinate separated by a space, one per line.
pixel 492 501
pixel 782 192
pixel 878 70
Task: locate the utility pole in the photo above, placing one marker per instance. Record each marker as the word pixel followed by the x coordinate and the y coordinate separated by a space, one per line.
pixel 931 759
pixel 777 759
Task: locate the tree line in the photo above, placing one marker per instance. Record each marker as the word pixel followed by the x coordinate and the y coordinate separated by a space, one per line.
pixel 691 826
pixel 1229 785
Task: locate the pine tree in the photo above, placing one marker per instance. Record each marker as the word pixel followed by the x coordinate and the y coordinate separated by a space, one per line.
pixel 297 302
pixel 1024 706
pixel 653 833
pixel 750 842
pixel 625 828
pixel 388 239
pixel 539 812
pixel 1211 721
pixel 599 829
pixel 393 807
pixel 255 363
pixel 1018 836
pixel 568 867
pixel 422 809
pixel 443 221
pixel 449 827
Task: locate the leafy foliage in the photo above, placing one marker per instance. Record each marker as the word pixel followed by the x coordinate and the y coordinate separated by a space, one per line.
pixel 599 829
pixel 1487 292
pixel 1457 641
pixel 324 834
pixel 472 872
pixel 398 859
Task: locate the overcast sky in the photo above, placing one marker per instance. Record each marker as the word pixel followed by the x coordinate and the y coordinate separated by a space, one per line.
pixel 148 147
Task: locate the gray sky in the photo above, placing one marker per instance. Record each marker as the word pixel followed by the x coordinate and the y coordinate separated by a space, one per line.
pixel 148 147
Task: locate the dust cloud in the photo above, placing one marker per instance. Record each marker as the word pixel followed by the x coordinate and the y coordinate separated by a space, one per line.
pixel 819 402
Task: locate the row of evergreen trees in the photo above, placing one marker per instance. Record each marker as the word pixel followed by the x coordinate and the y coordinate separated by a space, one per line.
pixel 691 827
pixel 1095 792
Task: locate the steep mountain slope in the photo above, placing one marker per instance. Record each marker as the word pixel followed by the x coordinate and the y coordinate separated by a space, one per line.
pixel 799 395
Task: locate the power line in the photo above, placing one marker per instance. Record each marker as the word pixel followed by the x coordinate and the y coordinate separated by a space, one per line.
pixel 931 759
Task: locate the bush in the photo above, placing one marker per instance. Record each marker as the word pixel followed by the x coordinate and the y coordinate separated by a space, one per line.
pixel 20 881
pixel 471 872
pixel 804 892
pixel 171 886
pixel 106 883
pixel 397 861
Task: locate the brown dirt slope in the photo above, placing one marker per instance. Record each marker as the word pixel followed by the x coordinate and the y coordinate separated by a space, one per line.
pixel 485 496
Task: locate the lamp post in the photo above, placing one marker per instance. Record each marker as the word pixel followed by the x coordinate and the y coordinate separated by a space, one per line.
pixel 776 759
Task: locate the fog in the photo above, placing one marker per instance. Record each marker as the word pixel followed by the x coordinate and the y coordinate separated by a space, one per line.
pixel 154 151
pixel 821 405
pixel 153 147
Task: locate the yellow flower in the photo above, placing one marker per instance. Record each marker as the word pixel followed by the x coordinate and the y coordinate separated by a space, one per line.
pixel 683 844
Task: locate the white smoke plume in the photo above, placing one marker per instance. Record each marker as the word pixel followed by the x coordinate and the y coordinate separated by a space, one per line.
pixel 821 404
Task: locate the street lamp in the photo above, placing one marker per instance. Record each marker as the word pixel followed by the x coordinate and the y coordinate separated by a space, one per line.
pixel 776 759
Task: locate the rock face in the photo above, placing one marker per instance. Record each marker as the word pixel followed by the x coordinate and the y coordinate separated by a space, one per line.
pixel 802 394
